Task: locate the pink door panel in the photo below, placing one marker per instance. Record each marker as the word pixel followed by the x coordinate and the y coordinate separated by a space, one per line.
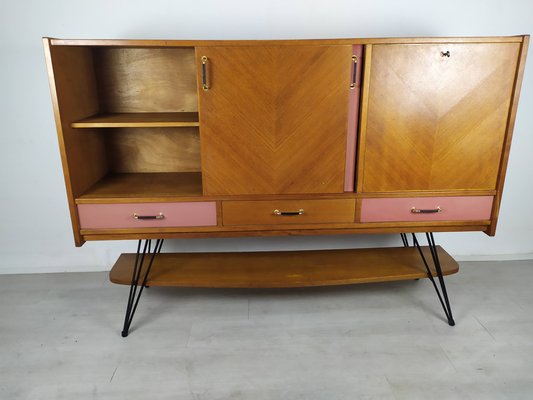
pixel 353 117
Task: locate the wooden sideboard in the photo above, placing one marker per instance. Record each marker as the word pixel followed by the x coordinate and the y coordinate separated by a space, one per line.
pixel 175 139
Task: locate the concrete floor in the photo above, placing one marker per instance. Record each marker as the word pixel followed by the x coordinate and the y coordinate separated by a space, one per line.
pixel 60 339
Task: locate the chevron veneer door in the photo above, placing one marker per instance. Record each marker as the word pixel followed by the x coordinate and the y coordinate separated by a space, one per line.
pixel 437 115
pixel 274 118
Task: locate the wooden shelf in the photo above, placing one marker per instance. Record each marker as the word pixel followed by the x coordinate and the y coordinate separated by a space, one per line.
pixel 139 120
pixel 147 185
pixel 283 269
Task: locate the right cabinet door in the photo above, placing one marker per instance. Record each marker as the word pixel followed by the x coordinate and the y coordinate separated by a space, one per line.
pixel 436 115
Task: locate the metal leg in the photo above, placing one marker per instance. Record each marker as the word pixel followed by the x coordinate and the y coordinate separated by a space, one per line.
pixel 405 242
pixel 444 301
pixel 133 301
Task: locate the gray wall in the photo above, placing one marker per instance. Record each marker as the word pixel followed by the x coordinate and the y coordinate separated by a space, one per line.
pixel 35 233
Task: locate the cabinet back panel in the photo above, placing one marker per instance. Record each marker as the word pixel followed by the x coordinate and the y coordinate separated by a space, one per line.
pixel 154 149
pixel 437 122
pixel 134 80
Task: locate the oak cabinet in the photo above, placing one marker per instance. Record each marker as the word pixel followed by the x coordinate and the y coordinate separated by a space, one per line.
pixel 326 132
pixel 173 139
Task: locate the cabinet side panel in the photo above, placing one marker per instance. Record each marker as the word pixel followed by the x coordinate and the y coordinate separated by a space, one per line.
pixel 74 94
pixel 509 134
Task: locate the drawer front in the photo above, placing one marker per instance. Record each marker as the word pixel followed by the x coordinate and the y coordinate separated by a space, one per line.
pixel 281 212
pixel 134 215
pixel 467 208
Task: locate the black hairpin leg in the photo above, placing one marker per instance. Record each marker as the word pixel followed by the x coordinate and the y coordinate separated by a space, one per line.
pixel 405 242
pixel 444 297
pixel 140 259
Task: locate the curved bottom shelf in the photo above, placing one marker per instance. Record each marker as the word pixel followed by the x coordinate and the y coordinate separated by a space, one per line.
pixel 284 269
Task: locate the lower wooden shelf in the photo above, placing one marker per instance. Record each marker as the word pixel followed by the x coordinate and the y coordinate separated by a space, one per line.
pixel 284 269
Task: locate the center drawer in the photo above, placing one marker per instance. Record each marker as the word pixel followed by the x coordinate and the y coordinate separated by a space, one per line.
pixel 281 212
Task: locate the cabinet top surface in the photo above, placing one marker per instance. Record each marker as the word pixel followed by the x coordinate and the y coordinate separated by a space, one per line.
pixel 287 42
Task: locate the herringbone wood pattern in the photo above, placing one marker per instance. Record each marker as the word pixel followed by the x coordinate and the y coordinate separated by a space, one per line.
pixel 437 122
pixel 275 119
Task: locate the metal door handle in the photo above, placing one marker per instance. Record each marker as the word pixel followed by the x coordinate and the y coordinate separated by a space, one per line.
pixel 205 81
pixel 299 212
pixel 415 210
pixel 158 216
pixel 354 76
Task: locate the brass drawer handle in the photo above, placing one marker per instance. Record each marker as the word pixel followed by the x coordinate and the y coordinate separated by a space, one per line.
pixel 299 212
pixel 205 81
pixel 354 76
pixel 158 216
pixel 415 210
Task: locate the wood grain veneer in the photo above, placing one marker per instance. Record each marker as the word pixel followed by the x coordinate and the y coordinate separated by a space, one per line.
pixel 146 185
pixel 141 80
pixel 256 212
pixel 290 42
pixel 139 120
pixel 274 119
pixel 360 229
pixel 293 229
pixel 509 133
pixel 283 269
pixel 184 197
pixel 74 96
pixel 437 122
pixel 153 150
pixel 272 127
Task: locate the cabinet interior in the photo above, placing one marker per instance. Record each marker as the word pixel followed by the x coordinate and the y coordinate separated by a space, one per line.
pixel 142 80
pixel 145 116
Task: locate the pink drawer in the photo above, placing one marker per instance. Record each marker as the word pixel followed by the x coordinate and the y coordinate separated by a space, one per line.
pixel 132 215
pixel 466 208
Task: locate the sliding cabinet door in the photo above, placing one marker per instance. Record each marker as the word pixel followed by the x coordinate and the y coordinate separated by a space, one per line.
pixel 273 119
